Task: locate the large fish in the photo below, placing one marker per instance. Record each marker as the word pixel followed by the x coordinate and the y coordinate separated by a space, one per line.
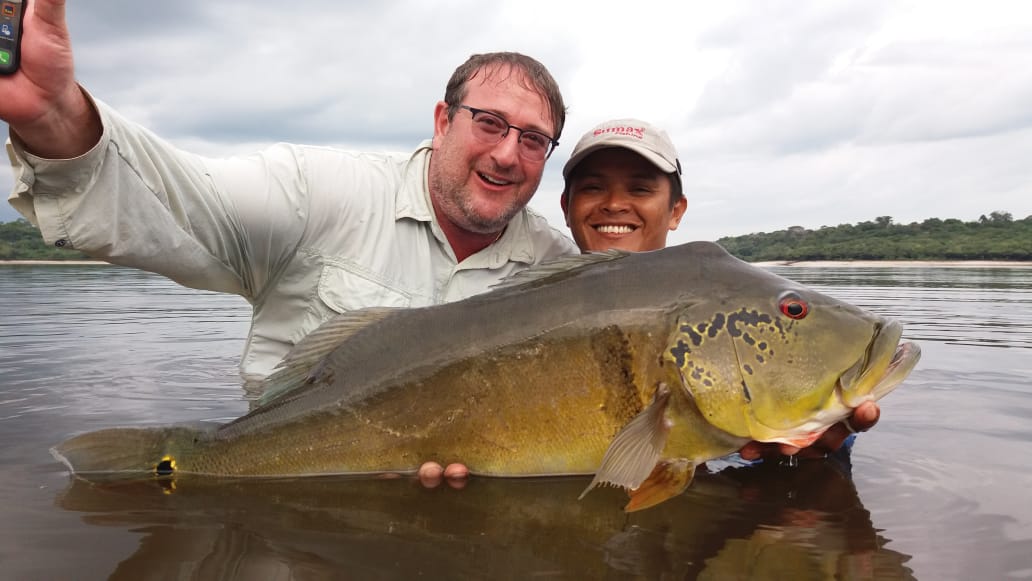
pixel 634 367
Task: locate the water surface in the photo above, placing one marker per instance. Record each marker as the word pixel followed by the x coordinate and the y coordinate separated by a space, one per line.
pixel 939 490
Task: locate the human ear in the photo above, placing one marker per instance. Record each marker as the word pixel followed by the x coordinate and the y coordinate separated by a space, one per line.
pixel 564 203
pixel 677 212
pixel 441 121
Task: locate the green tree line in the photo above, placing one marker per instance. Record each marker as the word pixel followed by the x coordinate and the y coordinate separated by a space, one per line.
pixel 20 240
pixel 997 236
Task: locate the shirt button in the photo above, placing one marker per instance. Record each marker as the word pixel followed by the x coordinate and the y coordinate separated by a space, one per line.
pixel 61 243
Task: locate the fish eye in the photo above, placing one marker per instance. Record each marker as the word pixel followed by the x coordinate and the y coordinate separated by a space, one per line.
pixel 793 306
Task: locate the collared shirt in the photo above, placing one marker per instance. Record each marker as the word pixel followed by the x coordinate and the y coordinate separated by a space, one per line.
pixel 301 232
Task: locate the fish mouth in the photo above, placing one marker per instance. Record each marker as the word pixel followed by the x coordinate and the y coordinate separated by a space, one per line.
pixel 903 361
pixel 884 366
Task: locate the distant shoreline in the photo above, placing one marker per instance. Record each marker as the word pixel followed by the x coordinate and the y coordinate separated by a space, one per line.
pixel 814 263
pixel 900 263
pixel 54 262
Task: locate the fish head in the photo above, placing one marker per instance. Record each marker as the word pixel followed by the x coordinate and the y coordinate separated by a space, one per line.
pixel 768 359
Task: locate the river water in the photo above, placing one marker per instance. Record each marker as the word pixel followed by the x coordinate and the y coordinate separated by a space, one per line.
pixel 940 489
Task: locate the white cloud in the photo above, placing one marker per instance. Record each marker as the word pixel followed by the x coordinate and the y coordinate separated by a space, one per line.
pixel 786 112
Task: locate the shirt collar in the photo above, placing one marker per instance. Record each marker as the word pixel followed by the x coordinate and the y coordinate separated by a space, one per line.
pixel 413 203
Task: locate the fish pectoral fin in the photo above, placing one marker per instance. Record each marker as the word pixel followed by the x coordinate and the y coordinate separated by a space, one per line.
pixel 668 479
pixel 636 448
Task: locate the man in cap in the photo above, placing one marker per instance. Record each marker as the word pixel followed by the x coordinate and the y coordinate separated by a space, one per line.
pixel 623 187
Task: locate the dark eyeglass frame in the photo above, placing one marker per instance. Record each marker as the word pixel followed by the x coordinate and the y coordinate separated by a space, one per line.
pixel 553 143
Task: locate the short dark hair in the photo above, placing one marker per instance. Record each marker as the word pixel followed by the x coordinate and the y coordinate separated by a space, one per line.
pixel 533 76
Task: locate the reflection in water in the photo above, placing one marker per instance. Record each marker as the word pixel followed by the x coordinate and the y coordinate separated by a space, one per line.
pixel 945 474
pixel 968 306
pixel 767 522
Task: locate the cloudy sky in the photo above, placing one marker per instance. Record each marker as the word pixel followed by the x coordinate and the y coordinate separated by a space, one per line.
pixel 785 112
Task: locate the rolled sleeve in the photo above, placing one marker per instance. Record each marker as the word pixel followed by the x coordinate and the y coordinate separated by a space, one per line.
pixel 42 186
pixel 135 200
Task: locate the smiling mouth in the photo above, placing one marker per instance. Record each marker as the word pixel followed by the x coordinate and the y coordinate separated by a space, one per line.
pixel 494 181
pixel 615 229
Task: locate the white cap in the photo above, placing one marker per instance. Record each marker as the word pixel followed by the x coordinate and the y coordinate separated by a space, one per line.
pixel 638 136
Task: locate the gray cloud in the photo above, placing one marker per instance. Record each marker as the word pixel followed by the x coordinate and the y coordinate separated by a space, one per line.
pixel 785 113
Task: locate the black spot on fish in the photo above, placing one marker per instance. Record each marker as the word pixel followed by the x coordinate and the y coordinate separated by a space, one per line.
pixel 701 327
pixel 164 468
pixel 696 373
pixel 718 324
pixel 707 383
pixel 745 318
pixel 680 352
pixel 688 331
pixel 748 369
pixel 762 345
pixel 748 339
pixel 760 359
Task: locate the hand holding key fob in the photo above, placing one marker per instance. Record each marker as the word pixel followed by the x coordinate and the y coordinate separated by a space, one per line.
pixel 11 12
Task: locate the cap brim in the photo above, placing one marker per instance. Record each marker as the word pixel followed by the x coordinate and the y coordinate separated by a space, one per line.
pixel 653 157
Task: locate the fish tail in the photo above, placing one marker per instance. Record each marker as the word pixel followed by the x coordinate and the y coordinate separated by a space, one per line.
pixel 128 452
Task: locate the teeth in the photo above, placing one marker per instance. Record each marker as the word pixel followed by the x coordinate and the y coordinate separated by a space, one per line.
pixel 491 180
pixel 610 229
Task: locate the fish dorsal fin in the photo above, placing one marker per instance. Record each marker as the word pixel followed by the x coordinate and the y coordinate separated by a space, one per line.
pixel 301 364
pixel 560 266
pixel 635 450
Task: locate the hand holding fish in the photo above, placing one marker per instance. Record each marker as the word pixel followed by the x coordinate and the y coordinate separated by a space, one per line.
pixel 864 418
pixel 431 474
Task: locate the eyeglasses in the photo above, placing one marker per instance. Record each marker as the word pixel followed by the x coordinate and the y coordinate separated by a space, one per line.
pixel 491 128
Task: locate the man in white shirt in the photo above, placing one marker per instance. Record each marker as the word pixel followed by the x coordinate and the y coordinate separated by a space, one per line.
pixel 301 232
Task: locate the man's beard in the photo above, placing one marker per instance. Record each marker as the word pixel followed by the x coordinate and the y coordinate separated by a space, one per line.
pixel 456 205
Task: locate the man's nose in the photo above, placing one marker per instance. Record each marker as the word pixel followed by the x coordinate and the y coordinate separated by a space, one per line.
pixel 616 201
pixel 507 151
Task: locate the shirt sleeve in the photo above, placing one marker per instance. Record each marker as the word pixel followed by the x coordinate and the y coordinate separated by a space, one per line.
pixel 135 200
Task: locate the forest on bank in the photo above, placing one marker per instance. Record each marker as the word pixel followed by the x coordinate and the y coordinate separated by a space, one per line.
pixel 997 236
pixel 20 240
